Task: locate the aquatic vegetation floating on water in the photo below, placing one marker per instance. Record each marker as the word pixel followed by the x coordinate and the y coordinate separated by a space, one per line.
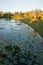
pixel 14 55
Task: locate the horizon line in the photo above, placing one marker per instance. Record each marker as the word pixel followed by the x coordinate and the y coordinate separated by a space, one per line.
pixel 22 10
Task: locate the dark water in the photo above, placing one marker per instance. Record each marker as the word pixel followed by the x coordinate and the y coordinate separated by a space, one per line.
pixel 13 32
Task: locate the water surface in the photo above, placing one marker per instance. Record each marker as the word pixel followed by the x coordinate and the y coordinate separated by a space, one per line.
pixel 13 32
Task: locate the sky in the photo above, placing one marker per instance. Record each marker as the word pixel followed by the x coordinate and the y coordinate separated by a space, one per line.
pixel 20 5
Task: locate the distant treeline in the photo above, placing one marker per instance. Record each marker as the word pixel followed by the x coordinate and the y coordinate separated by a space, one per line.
pixel 7 15
pixel 32 15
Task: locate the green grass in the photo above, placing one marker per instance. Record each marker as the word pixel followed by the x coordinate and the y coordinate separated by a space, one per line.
pixel 38 26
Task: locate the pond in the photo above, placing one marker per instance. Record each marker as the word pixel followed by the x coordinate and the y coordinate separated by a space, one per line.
pixel 13 32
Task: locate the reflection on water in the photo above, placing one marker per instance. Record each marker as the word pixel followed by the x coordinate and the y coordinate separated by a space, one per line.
pixel 16 33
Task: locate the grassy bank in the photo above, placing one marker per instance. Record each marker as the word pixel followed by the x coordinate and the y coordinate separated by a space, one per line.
pixel 37 25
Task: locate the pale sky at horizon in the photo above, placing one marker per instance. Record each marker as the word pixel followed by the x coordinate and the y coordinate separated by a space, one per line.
pixel 20 5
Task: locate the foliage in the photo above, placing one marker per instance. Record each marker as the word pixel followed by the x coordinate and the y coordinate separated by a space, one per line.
pixel 33 15
pixel 6 15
